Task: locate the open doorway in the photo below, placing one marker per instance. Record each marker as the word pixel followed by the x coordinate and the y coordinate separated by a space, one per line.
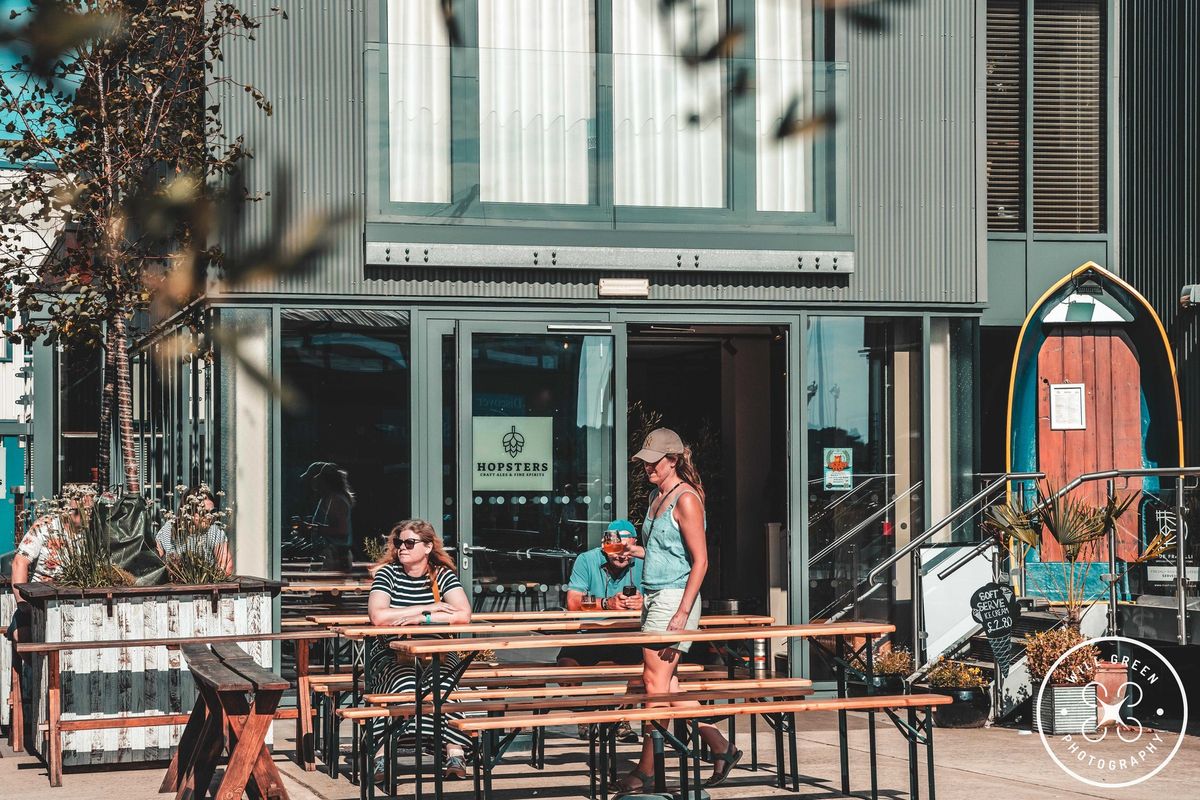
pixel 723 388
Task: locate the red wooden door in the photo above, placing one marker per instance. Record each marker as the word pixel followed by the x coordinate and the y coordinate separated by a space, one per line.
pixel 1105 362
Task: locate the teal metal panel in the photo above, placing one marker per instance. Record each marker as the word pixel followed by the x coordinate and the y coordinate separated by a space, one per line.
pixel 1006 304
pixel 1049 261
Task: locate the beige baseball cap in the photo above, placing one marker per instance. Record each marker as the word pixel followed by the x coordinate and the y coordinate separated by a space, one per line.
pixel 659 442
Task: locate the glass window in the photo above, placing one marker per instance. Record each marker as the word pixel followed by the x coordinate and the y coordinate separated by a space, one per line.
pixel 348 426
pixel 418 59
pixel 543 471
pixel 865 458
pixel 537 76
pixel 782 83
pixel 668 117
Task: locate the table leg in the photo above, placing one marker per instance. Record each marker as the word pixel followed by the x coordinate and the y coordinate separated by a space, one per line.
pixel 305 745
pixel 418 706
pixel 54 751
pixel 843 736
pixel 870 674
pixel 360 674
pixel 914 789
pixel 16 730
pixel 435 670
pixel 929 752
pixel 195 773
pixel 250 725
pixel 791 717
pixel 188 742
pixel 660 760
pixel 779 751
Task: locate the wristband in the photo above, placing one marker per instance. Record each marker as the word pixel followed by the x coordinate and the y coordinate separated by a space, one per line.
pixel 428 617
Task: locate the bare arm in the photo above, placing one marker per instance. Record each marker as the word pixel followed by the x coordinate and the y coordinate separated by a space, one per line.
pixel 455 609
pixel 379 609
pixel 574 600
pixel 20 574
pixel 224 557
pixel 689 513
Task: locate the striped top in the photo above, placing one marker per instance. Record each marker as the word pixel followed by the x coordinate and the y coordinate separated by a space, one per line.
pixel 405 590
pixel 211 539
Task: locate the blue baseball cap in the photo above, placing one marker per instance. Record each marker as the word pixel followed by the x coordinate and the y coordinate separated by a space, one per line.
pixel 624 528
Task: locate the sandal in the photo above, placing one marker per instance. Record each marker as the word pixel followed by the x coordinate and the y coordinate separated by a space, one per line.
pixel 645 783
pixel 730 759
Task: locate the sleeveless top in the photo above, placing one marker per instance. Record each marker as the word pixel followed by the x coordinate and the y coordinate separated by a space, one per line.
pixel 668 562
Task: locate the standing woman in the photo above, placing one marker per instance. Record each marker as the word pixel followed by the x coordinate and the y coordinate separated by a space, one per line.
pixel 676 559
pixel 417 585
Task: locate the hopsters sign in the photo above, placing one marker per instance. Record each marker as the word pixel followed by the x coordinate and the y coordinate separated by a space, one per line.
pixel 513 453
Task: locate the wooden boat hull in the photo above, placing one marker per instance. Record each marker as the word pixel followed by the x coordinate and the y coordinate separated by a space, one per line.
pixel 1093 388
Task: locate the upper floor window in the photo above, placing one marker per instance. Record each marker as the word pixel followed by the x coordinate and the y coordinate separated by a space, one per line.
pixel 600 111
pixel 1046 116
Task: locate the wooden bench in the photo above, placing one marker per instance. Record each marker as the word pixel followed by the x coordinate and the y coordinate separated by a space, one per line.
pixel 329 691
pixel 577 699
pixel 235 693
pixel 686 739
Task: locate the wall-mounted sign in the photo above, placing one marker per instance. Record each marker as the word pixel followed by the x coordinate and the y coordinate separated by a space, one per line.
pixel 839 469
pixel 1068 410
pixel 513 453
pixel 994 606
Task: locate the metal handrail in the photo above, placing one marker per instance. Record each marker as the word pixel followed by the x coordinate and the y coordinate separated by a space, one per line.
pixel 914 543
pixel 845 537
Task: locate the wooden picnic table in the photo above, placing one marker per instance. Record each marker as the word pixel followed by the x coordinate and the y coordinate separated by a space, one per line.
pixel 589 626
pixel 234 710
pixel 325 588
pixel 468 648
pixel 342 621
pixel 53 650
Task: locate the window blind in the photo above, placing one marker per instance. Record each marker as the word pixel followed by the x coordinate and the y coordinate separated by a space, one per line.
pixel 1068 116
pixel 1005 116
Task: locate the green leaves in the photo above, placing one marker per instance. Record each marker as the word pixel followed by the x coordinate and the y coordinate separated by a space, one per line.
pixel 1009 519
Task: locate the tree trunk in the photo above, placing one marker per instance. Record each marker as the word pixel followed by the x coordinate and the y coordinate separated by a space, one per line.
pixel 124 404
pixel 107 394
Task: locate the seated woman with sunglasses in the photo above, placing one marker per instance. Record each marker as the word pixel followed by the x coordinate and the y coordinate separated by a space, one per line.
pixel 416 585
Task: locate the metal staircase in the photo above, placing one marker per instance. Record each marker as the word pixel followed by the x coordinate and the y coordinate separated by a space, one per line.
pixel 867 597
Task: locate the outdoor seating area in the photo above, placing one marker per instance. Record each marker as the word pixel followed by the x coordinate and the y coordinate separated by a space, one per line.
pixel 494 701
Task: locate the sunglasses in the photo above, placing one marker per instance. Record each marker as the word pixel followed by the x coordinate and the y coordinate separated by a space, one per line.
pixel 408 544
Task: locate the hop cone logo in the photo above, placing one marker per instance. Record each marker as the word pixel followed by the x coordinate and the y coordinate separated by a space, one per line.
pixel 513 442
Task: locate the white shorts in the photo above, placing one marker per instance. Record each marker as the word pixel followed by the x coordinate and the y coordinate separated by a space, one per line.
pixel 660 606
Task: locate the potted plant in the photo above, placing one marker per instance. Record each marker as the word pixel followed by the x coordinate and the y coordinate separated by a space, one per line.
pixel 1068 702
pixel 890 669
pixel 966 684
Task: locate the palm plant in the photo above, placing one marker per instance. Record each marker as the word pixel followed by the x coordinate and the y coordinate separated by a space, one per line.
pixel 1076 526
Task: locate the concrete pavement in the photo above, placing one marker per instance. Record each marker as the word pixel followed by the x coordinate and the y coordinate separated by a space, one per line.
pixel 982 763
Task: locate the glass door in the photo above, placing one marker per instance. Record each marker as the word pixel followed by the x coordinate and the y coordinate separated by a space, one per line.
pixel 536 452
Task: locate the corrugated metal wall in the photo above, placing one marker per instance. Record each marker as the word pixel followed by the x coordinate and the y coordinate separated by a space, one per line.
pixel 1160 198
pixel 912 187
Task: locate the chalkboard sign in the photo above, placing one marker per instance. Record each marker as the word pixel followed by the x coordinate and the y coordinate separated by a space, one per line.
pixel 994 606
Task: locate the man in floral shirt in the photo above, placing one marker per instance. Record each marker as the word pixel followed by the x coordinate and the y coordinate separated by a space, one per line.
pixel 38 558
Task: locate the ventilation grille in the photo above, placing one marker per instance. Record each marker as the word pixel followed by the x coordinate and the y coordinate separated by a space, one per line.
pixel 1005 120
pixel 1068 116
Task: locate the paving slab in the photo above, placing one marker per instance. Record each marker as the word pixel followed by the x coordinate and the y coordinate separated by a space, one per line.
pixel 979 763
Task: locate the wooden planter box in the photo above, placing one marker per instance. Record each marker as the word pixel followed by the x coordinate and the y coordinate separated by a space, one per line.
pixel 113 683
pixel 1067 709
